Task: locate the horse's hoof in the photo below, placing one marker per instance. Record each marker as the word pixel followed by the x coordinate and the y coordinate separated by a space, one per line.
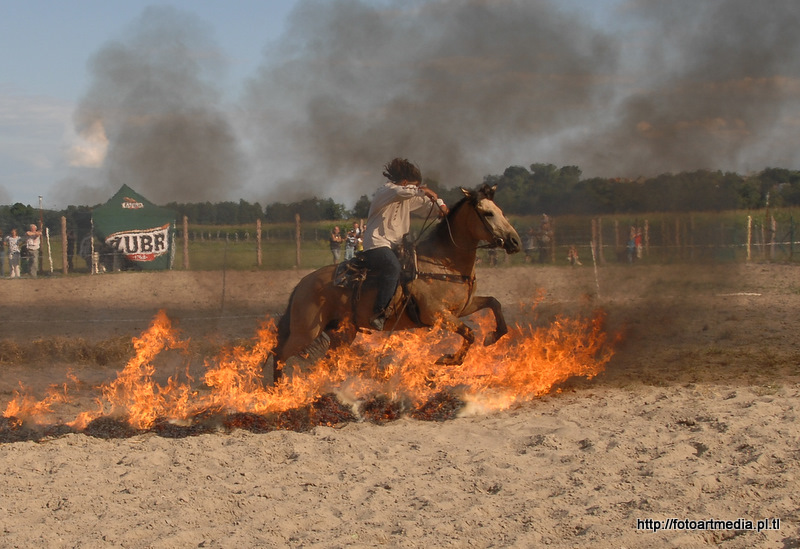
pixel 493 338
pixel 430 380
pixel 449 360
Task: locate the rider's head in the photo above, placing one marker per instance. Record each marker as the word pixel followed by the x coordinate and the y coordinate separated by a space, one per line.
pixel 400 169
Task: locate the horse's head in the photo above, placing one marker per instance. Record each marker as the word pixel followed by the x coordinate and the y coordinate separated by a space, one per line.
pixel 493 226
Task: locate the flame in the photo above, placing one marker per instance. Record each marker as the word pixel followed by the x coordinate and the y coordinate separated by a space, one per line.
pixel 527 363
pixel 24 406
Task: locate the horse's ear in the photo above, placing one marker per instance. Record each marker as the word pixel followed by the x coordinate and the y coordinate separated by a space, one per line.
pixel 465 191
pixel 487 191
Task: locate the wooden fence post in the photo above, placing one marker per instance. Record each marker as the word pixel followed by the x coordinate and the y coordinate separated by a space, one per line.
pixel 749 236
pixel 258 242
pixel 185 243
pixel 600 255
pixel 64 243
pixel 297 240
pixel 773 231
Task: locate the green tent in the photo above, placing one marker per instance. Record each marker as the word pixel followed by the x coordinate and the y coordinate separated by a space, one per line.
pixel 134 227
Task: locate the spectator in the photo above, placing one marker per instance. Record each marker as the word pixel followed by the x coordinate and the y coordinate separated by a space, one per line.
pixel 350 245
pixel 545 237
pixel 336 243
pixel 33 242
pixel 491 254
pixel 13 240
pixel 353 242
pixel 572 256
pixel 637 240
pixel 530 245
pixel 632 244
pixel 70 250
pixel 359 237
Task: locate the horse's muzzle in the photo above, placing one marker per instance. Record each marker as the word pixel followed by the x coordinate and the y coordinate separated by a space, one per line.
pixel 511 245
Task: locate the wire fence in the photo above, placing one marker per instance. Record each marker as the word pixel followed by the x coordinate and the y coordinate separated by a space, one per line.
pixel 654 239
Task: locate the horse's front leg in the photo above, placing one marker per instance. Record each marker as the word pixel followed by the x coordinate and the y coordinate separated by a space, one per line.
pixel 488 302
pixel 465 332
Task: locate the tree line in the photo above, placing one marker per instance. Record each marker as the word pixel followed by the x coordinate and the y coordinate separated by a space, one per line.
pixel 532 190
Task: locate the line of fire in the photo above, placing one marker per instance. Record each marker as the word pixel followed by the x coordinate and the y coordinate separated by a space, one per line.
pixel 378 378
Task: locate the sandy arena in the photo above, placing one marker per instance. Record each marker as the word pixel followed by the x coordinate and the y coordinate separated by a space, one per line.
pixel 695 418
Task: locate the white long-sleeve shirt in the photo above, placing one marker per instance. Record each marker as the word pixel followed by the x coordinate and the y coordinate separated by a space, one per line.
pixel 390 214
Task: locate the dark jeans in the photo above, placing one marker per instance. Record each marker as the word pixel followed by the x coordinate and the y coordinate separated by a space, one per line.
pixel 383 263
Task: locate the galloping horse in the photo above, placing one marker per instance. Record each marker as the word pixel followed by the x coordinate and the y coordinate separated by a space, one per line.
pixel 321 314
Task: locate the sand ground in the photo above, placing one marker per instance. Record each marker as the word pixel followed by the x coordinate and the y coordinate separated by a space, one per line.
pixel 695 418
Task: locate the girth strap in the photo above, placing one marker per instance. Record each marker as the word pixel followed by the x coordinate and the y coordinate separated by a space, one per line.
pixel 446 277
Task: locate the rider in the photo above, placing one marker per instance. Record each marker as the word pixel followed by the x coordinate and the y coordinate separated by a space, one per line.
pixel 388 221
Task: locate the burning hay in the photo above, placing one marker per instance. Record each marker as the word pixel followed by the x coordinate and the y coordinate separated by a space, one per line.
pixel 379 379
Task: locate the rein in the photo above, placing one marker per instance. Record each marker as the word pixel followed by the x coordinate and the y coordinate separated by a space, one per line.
pixel 479 246
pixel 449 277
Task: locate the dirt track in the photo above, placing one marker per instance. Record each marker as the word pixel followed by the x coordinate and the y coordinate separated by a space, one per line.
pixel 695 417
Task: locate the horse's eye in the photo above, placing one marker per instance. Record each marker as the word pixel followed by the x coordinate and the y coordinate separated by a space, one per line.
pixel 488 214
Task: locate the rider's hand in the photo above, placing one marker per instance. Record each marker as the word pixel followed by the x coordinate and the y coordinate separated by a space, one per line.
pixel 443 209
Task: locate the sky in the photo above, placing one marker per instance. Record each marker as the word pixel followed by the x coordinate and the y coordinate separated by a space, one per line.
pixel 281 100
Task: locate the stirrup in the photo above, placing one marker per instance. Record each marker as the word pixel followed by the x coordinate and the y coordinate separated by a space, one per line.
pixel 377 322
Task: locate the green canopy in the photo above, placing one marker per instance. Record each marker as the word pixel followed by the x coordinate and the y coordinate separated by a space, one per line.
pixel 136 228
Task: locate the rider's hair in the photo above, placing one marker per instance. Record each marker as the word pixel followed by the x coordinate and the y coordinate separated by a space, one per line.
pixel 401 169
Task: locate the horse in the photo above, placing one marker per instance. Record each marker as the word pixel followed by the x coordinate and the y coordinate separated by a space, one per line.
pixel 322 315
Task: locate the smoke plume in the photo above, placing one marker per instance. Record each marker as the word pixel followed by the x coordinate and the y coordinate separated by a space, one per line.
pixel 154 104
pixel 468 88
pixel 464 88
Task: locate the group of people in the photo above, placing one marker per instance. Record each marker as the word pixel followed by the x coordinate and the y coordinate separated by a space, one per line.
pixel 538 241
pixel 352 242
pixel 634 244
pixel 12 247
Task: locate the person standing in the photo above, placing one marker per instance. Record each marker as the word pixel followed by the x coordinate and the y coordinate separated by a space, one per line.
pixel 13 240
pixel 350 245
pixel 388 221
pixel 70 250
pixel 2 255
pixel 336 243
pixel 545 238
pixel 33 242
pixel 359 237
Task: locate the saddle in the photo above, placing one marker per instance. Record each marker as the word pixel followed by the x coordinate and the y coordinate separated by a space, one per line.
pixel 353 273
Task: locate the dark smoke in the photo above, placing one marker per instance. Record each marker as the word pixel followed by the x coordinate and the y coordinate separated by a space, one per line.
pixel 715 85
pixel 154 94
pixel 467 88
pixel 464 88
pixel 461 88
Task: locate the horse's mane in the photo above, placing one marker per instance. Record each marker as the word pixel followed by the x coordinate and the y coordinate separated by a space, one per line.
pixel 441 231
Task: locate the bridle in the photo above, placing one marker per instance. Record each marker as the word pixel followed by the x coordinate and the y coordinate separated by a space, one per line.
pixel 497 242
